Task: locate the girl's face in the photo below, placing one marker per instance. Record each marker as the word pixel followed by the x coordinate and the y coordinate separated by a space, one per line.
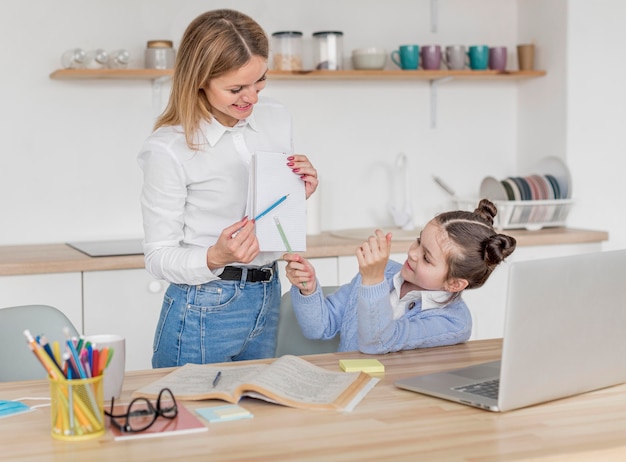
pixel 426 266
pixel 234 94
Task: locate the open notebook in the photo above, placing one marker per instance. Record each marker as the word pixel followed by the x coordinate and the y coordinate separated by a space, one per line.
pixel 271 179
pixel 564 335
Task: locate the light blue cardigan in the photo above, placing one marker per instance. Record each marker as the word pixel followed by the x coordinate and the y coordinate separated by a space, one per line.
pixel 363 317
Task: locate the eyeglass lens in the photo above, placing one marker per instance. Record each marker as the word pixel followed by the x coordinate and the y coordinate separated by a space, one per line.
pixel 141 413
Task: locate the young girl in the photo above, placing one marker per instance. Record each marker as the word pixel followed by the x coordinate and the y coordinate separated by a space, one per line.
pixel 390 307
pixel 223 300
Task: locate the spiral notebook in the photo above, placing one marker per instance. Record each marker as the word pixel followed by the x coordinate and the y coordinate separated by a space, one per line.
pixel 270 180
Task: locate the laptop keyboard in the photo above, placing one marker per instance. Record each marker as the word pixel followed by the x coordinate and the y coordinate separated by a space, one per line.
pixel 488 389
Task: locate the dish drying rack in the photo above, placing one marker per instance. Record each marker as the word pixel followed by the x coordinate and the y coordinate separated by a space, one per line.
pixel 531 215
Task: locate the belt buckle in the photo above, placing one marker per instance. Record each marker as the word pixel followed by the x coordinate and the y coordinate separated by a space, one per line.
pixel 268 270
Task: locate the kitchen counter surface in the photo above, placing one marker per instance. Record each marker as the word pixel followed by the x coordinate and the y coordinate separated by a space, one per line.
pixel 61 258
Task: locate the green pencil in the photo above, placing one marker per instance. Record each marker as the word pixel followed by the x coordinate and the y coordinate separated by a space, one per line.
pixel 283 236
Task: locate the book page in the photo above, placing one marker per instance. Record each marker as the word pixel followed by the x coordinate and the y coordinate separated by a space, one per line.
pixel 289 380
pixel 293 381
pixel 195 382
pixel 272 179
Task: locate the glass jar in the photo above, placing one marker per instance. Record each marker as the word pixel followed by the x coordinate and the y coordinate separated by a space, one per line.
pixel 160 54
pixel 287 50
pixel 96 59
pixel 328 50
pixel 118 59
pixel 73 59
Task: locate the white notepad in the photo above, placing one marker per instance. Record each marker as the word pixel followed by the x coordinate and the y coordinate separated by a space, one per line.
pixel 271 179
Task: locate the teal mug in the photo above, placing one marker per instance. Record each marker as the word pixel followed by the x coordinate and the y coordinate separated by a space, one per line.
pixel 478 57
pixel 407 57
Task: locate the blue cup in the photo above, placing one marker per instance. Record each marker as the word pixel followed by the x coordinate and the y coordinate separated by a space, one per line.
pixel 478 57
pixel 406 57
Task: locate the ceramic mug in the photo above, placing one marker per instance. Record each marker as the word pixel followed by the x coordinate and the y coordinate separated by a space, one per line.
pixel 114 372
pixel 455 57
pixel 526 57
pixel 478 57
pixel 497 58
pixel 431 57
pixel 407 57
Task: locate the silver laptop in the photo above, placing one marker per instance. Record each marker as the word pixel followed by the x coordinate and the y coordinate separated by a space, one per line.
pixel 564 334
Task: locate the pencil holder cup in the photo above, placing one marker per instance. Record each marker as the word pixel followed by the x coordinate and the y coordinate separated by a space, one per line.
pixel 77 408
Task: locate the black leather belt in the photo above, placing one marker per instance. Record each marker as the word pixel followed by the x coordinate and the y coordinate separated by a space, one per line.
pixel 233 273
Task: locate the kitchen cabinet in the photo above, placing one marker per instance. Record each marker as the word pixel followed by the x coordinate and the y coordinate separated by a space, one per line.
pixel 124 302
pixel 61 290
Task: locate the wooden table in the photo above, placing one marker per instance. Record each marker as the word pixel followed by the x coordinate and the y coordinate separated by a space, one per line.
pixel 389 424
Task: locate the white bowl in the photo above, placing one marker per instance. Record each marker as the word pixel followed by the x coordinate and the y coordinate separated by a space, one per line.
pixel 369 58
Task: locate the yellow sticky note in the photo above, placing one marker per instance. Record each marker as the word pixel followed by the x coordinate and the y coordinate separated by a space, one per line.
pixel 365 365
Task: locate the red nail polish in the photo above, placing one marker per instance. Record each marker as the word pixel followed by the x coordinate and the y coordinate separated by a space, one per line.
pixel 290 158
pixel 295 170
pixel 290 164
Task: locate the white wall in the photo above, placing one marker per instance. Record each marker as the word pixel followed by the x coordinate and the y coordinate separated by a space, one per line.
pixel 68 169
pixel 596 141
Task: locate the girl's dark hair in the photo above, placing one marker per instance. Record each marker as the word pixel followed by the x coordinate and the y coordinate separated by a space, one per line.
pixel 479 248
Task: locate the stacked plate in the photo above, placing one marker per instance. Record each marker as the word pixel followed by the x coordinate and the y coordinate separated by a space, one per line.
pixel 532 201
pixel 554 182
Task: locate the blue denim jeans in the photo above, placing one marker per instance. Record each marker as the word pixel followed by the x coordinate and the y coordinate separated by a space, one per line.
pixel 217 322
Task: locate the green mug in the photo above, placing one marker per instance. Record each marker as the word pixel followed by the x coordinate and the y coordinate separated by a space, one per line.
pixel 407 57
pixel 478 57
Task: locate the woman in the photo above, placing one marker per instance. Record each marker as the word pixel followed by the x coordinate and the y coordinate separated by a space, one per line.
pixel 224 295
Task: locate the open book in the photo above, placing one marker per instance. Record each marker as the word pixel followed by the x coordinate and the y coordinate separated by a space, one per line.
pixel 289 380
pixel 271 179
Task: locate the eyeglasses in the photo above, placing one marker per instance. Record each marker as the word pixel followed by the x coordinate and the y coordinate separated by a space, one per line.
pixel 141 413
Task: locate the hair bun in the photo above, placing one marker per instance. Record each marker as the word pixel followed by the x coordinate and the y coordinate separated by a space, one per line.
pixel 497 248
pixel 486 210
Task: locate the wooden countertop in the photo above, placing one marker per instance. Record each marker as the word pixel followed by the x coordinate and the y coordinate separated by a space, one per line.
pixel 61 258
pixel 389 424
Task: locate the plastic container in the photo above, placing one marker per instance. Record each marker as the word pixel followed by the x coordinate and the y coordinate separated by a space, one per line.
pixel 73 59
pixel 328 48
pixel 160 54
pixel 287 50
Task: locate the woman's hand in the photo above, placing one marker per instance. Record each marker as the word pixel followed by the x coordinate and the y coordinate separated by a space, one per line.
pixel 237 243
pixel 300 273
pixel 373 256
pixel 300 165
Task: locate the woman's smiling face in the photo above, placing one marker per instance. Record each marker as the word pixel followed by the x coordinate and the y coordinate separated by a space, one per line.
pixel 234 94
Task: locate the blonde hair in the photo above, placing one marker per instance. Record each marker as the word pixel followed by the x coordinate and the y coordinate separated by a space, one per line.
pixel 215 43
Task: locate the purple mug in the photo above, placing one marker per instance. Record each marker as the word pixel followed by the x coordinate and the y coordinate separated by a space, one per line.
pixel 497 58
pixel 431 57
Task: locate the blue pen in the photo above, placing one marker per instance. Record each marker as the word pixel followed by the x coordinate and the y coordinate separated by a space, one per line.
pixel 271 207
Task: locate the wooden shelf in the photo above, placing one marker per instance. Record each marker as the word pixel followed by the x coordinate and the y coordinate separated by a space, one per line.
pixel 153 74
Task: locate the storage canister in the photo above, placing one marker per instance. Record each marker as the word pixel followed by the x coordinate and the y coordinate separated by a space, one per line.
pixel 160 54
pixel 328 50
pixel 287 50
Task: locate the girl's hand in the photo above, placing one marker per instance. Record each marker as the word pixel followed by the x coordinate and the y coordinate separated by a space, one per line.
pixel 300 273
pixel 300 165
pixel 237 243
pixel 373 256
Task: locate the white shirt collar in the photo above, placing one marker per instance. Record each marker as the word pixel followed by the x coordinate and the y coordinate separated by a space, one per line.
pixel 430 298
pixel 214 130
